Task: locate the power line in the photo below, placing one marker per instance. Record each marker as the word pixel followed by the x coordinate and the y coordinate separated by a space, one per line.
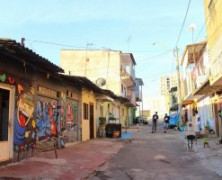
pixel 151 58
pixel 53 43
pixel 184 20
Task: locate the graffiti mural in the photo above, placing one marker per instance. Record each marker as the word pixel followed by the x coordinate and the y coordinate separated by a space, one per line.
pixel 68 115
pixel 68 112
pixel 24 126
pixel 46 118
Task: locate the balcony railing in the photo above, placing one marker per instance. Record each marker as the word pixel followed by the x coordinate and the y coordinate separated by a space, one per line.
pixel 199 76
pixel 128 76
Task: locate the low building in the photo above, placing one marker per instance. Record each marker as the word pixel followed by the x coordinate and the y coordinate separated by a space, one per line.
pixel 36 103
pixel 109 70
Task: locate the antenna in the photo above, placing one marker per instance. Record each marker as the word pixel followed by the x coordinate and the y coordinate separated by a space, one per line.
pixel 128 42
pixel 192 28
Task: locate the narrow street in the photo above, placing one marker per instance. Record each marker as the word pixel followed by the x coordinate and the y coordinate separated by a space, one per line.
pixel 149 156
pixel 155 156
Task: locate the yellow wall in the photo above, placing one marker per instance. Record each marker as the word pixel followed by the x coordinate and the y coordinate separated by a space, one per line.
pixel 94 64
pixel 214 37
pixel 88 97
pixel 124 115
pixel 213 21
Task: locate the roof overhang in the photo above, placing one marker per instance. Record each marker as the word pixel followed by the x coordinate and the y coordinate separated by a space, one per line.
pixel 192 97
pixel 18 52
pixel 194 51
pixel 104 98
pixel 187 102
pixel 207 89
pixel 129 104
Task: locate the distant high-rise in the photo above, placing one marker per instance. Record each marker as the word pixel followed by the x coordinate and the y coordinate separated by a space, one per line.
pixel 166 83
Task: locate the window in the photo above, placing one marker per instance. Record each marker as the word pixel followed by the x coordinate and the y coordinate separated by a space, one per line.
pixel 85 111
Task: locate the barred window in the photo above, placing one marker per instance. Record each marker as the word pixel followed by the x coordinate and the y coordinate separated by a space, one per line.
pixel 85 111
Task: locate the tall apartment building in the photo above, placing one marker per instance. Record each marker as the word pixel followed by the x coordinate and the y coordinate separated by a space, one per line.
pixel 166 83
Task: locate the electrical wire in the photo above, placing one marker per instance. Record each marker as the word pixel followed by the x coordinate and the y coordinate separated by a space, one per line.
pixel 53 43
pixel 184 20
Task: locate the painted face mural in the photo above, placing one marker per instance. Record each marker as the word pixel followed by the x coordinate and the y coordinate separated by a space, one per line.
pixel 25 109
pixel 25 130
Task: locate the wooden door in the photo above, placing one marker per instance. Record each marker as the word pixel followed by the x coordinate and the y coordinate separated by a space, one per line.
pixel 216 118
pixel 91 121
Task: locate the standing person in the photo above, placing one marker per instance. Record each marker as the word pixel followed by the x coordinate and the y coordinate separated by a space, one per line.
pixel 197 124
pixel 155 118
pixel 166 122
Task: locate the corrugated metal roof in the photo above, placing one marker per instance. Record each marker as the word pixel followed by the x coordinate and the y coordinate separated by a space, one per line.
pixel 16 51
pixel 85 82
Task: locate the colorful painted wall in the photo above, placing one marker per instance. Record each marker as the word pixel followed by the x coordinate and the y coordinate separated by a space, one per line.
pixel 47 116
pixel 25 129
pixel 38 117
pixel 69 118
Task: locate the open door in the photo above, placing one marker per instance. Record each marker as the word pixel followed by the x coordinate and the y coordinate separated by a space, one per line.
pixel 5 122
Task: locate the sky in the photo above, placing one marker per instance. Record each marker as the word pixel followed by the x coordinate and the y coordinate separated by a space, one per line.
pixel 126 25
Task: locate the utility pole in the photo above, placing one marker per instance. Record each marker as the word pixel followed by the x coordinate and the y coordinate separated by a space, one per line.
pixel 142 98
pixel 178 82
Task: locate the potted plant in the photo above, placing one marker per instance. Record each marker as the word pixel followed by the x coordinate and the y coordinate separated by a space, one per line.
pixel 116 133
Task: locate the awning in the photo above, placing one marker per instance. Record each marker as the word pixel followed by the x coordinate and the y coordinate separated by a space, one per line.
pixel 191 97
pixel 104 98
pixel 129 104
pixel 188 102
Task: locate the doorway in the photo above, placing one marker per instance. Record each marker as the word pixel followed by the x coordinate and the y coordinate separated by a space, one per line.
pixel 4 124
pixel 216 118
pixel 91 120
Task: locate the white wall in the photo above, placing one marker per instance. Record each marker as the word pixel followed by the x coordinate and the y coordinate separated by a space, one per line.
pixel 94 64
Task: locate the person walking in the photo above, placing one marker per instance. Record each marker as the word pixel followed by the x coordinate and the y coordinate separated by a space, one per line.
pixel 166 122
pixel 154 123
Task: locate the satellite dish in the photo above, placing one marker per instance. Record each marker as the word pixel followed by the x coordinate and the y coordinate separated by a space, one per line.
pixel 100 81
